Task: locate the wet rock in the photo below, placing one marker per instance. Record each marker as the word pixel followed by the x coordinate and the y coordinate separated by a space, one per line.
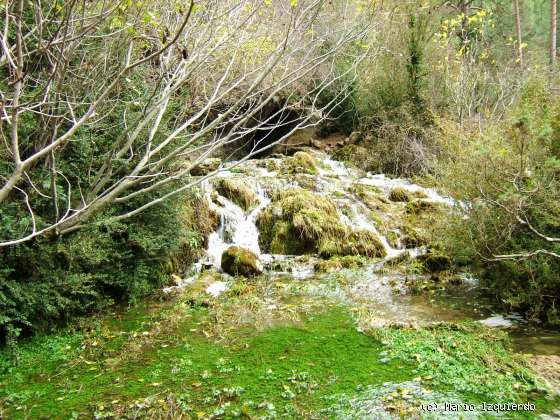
pixel 399 195
pixel 206 166
pixel 301 222
pixel 238 261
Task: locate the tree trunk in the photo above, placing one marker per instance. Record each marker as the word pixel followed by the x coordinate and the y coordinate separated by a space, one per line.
pixel 518 31
pixel 553 18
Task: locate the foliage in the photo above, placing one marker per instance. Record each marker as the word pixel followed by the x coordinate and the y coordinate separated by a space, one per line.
pixel 56 278
pixel 509 176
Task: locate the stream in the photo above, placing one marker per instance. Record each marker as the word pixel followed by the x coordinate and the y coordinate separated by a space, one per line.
pixel 375 285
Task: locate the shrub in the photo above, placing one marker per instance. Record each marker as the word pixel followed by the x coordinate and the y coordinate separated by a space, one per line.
pixel 508 176
pixel 49 281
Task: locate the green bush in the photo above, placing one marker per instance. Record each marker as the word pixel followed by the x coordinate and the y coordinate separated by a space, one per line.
pixel 50 280
pixel 508 176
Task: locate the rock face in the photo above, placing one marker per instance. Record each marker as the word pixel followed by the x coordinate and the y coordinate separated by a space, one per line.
pixel 238 261
pixel 206 166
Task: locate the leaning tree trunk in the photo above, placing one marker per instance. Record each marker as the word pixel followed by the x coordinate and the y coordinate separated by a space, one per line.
pixel 553 23
pixel 518 31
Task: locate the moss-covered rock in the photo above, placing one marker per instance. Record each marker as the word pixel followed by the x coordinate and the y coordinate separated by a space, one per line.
pixel 237 190
pixel 414 236
pixel 301 222
pixel 400 195
pixel 369 195
pixel 354 243
pixel 308 182
pixel 238 261
pixel 301 163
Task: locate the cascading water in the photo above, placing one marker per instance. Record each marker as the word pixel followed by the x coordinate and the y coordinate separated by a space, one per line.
pixel 236 227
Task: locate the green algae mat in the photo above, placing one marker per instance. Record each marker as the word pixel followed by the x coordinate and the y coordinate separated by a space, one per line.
pixel 179 359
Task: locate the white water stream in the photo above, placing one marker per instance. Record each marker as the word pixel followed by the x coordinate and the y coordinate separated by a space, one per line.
pixel 237 228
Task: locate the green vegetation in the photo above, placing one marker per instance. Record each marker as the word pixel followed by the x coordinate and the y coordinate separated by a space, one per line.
pixel 509 175
pixel 53 279
pixel 467 358
pixel 170 358
pixel 115 118
pixel 284 371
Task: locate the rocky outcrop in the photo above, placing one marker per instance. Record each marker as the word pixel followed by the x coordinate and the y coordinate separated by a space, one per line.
pixel 238 261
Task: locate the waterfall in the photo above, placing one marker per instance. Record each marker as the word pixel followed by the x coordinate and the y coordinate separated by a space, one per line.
pixel 236 227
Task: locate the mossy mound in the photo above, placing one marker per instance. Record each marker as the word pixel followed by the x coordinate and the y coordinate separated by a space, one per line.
pixel 400 195
pixel 236 190
pixel 414 237
pixel 238 261
pixel 360 242
pixel 301 222
pixel 301 163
